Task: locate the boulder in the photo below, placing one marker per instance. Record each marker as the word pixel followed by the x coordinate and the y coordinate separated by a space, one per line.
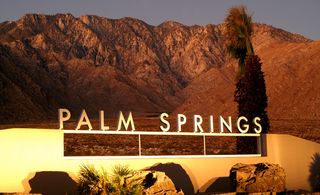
pixel 156 182
pixel 261 177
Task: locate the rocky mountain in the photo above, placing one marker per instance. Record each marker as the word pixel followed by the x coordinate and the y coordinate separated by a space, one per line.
pixel 96 63
pixel 292 75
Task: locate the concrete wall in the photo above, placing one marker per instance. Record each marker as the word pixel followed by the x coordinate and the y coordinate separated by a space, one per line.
pixel 23 152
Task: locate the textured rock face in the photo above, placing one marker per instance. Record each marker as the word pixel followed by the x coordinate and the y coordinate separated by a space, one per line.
pixel 261 177
pixel 156 182
pixel 95 63
pixel 292 80
pixel 51 61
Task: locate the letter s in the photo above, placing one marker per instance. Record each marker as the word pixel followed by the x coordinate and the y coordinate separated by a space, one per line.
pixel 163 120
pixel 256 121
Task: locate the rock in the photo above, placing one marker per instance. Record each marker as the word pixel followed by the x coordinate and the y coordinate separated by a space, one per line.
pixel 156 182
pixel 261 177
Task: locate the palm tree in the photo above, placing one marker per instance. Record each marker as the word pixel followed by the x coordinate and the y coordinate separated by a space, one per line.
pixel 238 35
pixel 125 182
pixel 250 93
pixel 92 181
pixel 122 181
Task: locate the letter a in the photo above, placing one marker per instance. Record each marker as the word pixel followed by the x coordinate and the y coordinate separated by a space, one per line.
pixel 84 120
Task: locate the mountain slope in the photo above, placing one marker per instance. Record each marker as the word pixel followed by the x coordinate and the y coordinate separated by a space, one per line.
pixel 292 79
pixel 96 63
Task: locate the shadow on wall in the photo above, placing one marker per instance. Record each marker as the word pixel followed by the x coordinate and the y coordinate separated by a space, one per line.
pixel 314 178
pixel 52 182
pixel 177 174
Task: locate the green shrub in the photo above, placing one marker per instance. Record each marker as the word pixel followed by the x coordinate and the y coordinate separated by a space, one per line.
pixel 92 181
pixel 121 181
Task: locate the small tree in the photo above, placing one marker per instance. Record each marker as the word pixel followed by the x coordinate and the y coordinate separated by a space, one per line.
pixel 250 93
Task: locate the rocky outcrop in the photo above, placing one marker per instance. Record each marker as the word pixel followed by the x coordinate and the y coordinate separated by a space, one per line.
pixel 261 177
pixel 156 182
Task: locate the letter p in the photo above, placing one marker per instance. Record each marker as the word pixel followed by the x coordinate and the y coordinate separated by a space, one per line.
pixel 63 118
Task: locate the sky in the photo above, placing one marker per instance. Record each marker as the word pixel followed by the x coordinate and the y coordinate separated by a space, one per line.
pixel 296 16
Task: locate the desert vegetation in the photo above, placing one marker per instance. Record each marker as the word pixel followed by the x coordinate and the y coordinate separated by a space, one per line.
pixel 250 93
pixel 121 181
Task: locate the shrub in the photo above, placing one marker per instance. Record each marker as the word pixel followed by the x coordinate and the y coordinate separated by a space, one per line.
pixel 92 181
pixel 122 181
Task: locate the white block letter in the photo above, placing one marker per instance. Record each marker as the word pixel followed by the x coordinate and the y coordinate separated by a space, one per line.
pixel 163 120
pixel 224 123
pixel 246 126
pixel 63 118
pixel 125 122
pixel 182 119
pixel 256 121
pixel 197 121
pixel 84 120
pixel 211 124
pixel 101 116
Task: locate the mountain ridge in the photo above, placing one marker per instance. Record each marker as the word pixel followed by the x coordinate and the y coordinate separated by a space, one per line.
pixel 96 63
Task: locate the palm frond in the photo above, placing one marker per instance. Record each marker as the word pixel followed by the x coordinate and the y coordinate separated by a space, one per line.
pixel 122 181
pixel 121 170
pixel 238 33
pixel 125 181
pixel 92 181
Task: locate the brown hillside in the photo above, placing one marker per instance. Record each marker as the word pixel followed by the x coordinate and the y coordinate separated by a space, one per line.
pixel 96 63
pixel 292 78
